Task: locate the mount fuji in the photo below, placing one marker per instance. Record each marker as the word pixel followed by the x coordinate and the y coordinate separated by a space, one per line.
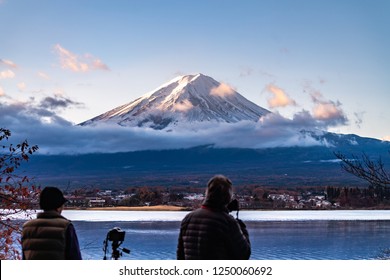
pixel 185 100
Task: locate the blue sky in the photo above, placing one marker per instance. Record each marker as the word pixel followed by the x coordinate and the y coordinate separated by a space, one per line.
pixel 82 58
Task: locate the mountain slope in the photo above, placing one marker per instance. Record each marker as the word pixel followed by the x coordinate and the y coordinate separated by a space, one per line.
pixel 182 101
pixel 279 167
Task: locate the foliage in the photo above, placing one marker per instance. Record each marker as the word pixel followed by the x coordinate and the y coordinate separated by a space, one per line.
pixel 142 196
pixel 16 192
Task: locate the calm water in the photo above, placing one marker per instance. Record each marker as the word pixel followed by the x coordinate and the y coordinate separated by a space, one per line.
pixel 275 235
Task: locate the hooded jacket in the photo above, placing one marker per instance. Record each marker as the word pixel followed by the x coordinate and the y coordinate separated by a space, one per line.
pixel 211 233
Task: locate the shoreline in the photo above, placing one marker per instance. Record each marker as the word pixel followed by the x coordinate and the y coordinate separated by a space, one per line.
pixel 133 208
pixel 182 208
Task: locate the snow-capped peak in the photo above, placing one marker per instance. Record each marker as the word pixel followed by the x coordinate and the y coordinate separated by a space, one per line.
pixel 184 99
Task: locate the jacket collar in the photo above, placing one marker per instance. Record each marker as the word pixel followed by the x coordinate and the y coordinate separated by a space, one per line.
pixel 49 215
pixel 214 208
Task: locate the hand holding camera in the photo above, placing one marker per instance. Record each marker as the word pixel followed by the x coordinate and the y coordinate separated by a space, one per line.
pixel 233 205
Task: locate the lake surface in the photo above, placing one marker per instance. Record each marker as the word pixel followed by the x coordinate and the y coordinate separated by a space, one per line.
pixel 274 235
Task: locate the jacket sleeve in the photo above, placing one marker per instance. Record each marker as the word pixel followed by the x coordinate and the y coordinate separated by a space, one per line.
pixel 180 246
pixel 72 250
pixel 241 246
pixel 180 249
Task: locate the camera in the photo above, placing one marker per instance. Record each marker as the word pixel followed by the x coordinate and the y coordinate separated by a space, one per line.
pixel 116 235
pixel 233 205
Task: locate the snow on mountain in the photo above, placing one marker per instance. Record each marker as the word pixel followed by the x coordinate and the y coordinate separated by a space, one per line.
pixel 184 100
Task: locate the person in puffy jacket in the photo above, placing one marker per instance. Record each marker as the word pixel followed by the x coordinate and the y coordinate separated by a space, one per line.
pixel 210 232
pixel 50 236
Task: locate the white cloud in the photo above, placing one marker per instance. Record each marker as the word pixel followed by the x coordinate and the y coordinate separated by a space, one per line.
pixel 38 122
pixel 7 74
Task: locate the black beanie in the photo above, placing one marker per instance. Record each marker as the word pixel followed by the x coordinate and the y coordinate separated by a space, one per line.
pixel 51 198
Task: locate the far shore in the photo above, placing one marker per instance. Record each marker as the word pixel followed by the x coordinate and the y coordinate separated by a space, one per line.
pixel 135 208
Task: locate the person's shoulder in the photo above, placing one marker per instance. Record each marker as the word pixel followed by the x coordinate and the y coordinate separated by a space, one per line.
pixel 192 213
pixel 229 218
pixel 195 214
pixel 28 223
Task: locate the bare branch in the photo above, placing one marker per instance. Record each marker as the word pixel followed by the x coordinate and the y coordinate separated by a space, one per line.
pixel 369 170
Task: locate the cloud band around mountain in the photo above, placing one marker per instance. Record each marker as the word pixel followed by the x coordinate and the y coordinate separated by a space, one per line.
pixel 40 124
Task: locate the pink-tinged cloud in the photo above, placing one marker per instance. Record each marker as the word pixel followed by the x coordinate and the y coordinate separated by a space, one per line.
pixel 8 63
pixel 327 110
pixel 222 90
pixel 78 63
pixel 7 74
pixel 98 64
pixel 386 138
pixel 183 106
pixel 279 98
pixel 2 92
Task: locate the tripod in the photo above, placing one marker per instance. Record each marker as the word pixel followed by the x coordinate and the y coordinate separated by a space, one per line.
pixel 116 250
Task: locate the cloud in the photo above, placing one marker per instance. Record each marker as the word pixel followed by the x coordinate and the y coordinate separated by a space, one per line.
pixel 98 64
pixel 222 90
pixel 2 92
pixel 7 74
pixel 43 75
pixel 57 102
pixel 359 118
pixel 39 123
pixel 280 98
pixel 20 116
pixel 15 113
pixel 328 111
pixel 21 86
pixel 8 63
pixel 78 63
pixel 183 106
pixel 246 72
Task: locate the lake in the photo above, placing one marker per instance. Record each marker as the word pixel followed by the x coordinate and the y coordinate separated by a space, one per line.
pixel 274 235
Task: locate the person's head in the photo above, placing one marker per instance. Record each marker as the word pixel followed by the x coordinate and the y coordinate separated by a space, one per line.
pixel 51 198
pixel 219 191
